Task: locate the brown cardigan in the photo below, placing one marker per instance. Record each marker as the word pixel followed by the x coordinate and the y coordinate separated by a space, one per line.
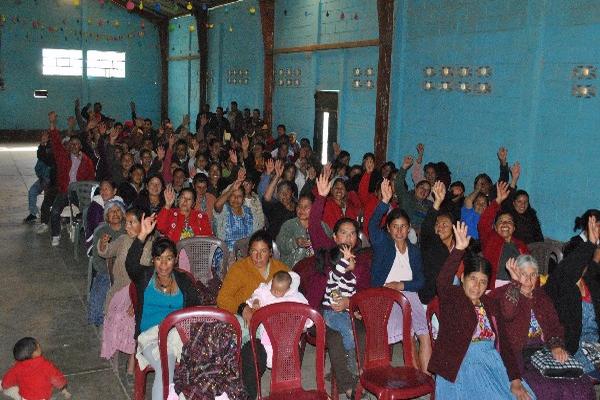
pixel 516 312
pixel 458 320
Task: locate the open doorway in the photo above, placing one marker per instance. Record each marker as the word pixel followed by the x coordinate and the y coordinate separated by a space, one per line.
pixel 326 123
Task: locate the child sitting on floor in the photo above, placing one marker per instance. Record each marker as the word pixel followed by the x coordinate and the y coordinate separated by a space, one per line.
pixel 283 287
pixel 32 376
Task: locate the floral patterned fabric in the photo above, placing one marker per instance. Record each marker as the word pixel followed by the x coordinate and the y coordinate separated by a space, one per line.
pixel 483 330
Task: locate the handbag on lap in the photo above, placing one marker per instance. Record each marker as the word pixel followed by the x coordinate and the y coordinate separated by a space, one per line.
pixel 543 361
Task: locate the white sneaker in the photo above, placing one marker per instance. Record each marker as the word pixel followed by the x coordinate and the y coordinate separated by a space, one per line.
pixel 41 228
pixel 55 241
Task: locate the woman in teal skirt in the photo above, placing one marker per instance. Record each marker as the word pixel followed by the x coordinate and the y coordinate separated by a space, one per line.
pixel 465 357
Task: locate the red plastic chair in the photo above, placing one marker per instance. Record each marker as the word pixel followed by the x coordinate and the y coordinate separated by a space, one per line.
pixel 140 376
pixel 433 308
pixel 378 375
pixel 182 321
pixel 285 323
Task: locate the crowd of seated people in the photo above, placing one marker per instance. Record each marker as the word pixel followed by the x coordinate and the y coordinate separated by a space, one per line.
pixel 431 239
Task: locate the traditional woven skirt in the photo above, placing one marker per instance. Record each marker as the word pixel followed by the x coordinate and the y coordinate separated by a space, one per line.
pixel 482 375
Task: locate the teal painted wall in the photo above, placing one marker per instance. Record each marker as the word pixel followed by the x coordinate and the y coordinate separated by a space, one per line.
pixel 29 26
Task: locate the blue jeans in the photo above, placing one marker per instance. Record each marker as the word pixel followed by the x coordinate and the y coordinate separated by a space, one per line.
pixel 34 191
pixel 340 322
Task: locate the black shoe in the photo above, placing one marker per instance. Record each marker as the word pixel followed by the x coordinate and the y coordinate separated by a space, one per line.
pixel 30 218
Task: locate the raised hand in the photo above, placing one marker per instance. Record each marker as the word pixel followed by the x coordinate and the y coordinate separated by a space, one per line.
pixel 386 191
pixel 327 170
pixel 502 192
pixel 439 194
pixel 461 238
pixel 420 149
pixel 169 196
pixel 513 269
pixel 245 143
pixel 336 149
pixel 592 230
pixel 77 102
pixel 148 224
pixel 241 175
pixel 104 242
pixel 502 155
pixel 407 162
pixel 269 166
pixel 279 168
pixel 323 185
pixel 160 153
pixel 347 253
pixel 233 157
pixel 515 171
pixel 369 165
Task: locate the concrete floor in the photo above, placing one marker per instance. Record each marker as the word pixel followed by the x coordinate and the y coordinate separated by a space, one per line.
pixel 44 294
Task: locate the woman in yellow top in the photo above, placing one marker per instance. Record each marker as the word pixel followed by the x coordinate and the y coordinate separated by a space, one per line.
pixel 240 282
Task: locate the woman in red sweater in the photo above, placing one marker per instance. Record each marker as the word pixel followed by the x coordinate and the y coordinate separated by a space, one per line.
pixel 465 358
pixel 531 324
pixel 496 230
pixel 183 222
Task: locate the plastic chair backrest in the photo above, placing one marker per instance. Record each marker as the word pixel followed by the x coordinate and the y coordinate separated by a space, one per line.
pixel 375 306
pixel 285 323
pixel 84 191
pixel 544 251
pixel 364 240
pixel 240 249
pixel 433 308
pixel 200 251
pixel 182 321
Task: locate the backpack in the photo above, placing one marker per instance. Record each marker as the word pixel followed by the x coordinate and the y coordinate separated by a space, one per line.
pixel 208 366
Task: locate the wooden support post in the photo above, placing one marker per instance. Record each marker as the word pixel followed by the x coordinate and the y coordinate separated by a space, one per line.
pixel 163 38
pixel 385 13
pixel 267 20
pixel 202 29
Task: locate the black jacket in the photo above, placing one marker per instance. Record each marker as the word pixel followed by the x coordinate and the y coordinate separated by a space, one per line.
pixel 563 290
pixel 434 253
pixel 141 275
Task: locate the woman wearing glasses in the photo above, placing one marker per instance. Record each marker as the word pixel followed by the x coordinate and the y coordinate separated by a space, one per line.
pixel 242 278
pixel 160 291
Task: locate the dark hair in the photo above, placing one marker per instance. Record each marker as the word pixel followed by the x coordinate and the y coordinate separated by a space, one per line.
pixel 487 200
pixel 136 212
pixel 281 126
pixel 395 214
pixel 178 169
pixel 110 182
pixel 389 164
pixel 443 173
pixel 145 151
pixel 282 276
pixel 192 191
pixel 343 153
pixel 446 214
pixel 200 178
pixel 521 192
pixel 368 155
pixel 581 222
pixel 430 165
pixel 118 124
pixel 473 262
pixel 285 184
pixel 148 120
pixel 24 348
pixel 257 110
pixel 458 184
pixel 323 257
pixel 161 245
pixel 74 137
pixel 136 166
pixel 341 180
pixel 424 181
pixel 308 196
pixel 157 176
pixel 501 213
pixel 482 176
pixel 261 236
pixel 181 142
pixel 234 103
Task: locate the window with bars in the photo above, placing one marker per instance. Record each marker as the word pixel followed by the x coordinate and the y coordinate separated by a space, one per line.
pixel 105 64
pixel 63 62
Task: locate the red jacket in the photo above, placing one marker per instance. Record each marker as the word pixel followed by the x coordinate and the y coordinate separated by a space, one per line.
pixel 35 378
pixel 333 212
pixel 455 334
pixel 516 312
pixel 492 242
pixel 170 222
pixel 85 172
